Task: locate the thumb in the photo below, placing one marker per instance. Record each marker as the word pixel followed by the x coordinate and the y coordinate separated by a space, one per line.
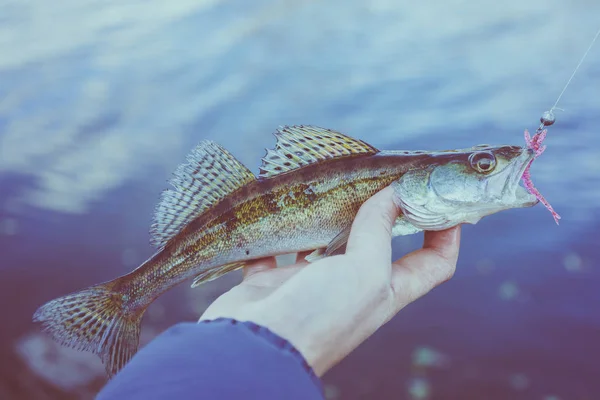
pixel 371 234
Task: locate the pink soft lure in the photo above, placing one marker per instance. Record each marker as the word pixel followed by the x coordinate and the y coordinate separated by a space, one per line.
pixel 535 143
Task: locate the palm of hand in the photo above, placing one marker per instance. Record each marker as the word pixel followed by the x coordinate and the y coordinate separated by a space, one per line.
pixel 261 279
pixel 328 307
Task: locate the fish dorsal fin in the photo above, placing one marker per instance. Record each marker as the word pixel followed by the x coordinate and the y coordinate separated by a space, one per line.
pixel 301 145
pixel 210 174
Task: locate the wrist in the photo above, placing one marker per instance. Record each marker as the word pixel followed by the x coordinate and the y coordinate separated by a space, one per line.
pixel 323 335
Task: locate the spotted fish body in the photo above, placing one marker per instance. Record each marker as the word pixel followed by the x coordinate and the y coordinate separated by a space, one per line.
pixel 286 213
pixel 219 216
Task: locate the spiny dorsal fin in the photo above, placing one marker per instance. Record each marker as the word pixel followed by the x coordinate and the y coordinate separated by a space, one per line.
pixel 210 174
pixel 301 145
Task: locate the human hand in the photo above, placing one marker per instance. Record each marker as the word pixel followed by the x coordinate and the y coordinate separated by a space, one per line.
pixel 328 307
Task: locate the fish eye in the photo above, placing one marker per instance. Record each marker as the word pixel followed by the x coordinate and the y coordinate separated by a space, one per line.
pixel 483 161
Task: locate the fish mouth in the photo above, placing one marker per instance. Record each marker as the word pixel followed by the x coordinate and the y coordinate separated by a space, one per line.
pixel 514 190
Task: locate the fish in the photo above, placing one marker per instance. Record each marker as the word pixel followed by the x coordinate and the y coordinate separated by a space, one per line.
pixel 218 216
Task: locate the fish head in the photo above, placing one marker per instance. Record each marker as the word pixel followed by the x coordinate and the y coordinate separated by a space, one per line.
pixel 463 186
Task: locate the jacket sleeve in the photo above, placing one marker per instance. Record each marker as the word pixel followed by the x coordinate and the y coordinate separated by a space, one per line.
pixel 219 359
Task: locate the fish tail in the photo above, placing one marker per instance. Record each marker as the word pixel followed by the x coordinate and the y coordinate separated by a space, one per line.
pixel 97 319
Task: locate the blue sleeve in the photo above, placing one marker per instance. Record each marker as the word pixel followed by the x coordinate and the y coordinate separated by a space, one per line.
pixel 219 359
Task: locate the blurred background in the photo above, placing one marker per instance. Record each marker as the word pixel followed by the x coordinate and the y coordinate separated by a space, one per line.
pixel 101 100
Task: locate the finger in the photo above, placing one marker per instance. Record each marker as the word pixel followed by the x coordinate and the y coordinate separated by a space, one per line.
pixel 417 273
pixel 258 265
pixel 371 234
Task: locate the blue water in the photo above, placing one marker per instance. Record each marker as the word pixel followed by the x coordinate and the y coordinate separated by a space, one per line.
pixel 100 101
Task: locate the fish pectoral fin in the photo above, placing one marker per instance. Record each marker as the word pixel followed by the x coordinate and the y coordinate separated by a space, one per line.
pixel 421 218
pixel 301 145
pixel 214 273
pixel 337 244
pixel 210 174
pixel 315 255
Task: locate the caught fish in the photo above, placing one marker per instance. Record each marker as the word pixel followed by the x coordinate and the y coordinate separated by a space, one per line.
pixel 219 216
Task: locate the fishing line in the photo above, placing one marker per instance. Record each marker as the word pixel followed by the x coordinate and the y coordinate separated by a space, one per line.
pixel 576 68
pixel 548 117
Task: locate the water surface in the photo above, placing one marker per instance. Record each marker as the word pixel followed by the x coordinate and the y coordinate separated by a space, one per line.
pixel 101 100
